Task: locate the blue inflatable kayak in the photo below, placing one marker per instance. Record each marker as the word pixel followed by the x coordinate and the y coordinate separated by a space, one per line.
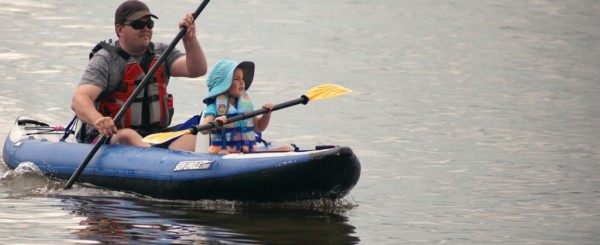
pixel 323 172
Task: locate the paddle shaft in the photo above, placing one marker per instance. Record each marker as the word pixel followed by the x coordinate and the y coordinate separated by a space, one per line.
pixel 302 100
pixel 134 95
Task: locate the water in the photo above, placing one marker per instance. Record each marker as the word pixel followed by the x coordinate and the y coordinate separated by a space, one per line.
pixel 475 121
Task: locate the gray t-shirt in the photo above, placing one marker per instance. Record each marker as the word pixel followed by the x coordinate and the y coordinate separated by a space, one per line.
pixel 105 69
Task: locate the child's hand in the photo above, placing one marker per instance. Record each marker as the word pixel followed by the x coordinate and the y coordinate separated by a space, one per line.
pixel 217 124
pixel 261 122
pixel 268 107
pixel 223 119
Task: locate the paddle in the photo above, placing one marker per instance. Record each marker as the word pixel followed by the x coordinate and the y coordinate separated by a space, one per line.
pixel 134 95
pixel 324 91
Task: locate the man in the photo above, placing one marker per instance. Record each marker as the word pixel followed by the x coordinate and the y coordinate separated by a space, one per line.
pixel 114 70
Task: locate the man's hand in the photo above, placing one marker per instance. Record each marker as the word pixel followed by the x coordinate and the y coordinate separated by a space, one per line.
pixel 105 126
pixel 188 21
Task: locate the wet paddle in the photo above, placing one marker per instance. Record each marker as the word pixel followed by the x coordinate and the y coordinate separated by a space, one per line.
pixel 134 95
pixel 324 91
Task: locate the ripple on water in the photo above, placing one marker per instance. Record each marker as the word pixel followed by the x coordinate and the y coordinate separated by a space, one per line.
pixel 38 220
pixel 9 55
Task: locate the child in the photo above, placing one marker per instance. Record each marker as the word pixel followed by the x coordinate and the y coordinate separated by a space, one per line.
pixel 227 85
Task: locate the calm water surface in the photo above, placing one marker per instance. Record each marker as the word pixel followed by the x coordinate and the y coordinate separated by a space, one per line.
pixel 475 121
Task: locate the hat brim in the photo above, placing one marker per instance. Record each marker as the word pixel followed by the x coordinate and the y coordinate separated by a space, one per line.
pixel 248 68
pixel 140 15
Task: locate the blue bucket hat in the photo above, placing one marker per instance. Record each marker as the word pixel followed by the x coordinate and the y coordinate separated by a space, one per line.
pixel 221 77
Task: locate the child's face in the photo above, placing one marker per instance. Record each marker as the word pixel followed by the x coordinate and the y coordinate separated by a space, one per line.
pixel 238 84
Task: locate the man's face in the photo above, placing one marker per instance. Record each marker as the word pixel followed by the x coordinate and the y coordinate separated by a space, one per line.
pixel 136 34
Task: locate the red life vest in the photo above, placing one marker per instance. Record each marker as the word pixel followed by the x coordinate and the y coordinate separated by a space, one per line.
pixel 152 110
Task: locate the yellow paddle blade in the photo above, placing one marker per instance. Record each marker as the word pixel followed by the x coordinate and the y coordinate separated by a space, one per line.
pixel 160 138
pixel 325 91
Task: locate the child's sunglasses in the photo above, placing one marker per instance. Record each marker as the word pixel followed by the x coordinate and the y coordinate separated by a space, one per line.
pixel 138 24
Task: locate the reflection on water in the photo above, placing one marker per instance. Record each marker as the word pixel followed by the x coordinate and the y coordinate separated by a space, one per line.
pixel 112 220
pixel 83 219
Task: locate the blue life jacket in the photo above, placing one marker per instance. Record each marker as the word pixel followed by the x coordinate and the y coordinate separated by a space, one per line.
pixel 237 136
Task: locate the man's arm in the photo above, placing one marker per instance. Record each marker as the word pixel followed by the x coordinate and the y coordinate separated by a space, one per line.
pixel 83 105
pixel 193 64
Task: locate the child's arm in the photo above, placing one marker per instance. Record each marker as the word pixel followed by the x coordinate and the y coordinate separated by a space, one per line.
pixel 262 122
pixel 209 119
pixel 205 120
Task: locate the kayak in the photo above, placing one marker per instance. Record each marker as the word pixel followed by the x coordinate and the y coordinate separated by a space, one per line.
pixel 323 172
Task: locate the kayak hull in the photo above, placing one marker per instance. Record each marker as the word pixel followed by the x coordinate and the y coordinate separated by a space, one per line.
pixel 169 174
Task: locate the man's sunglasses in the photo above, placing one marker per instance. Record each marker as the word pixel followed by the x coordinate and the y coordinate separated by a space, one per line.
pixel 138 24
